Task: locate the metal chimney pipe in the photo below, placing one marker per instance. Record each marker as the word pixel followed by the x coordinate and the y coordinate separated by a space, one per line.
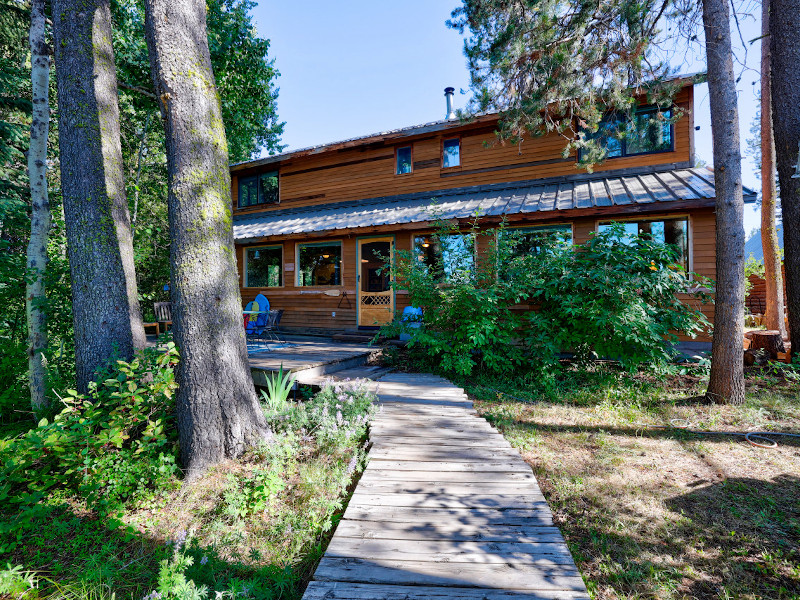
pixel 448 94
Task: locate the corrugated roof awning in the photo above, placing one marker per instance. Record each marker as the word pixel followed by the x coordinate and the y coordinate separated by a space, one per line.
pixel 622 188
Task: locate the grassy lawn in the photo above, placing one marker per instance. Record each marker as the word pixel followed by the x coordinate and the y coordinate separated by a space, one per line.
pixel 250 529
pixel 655 512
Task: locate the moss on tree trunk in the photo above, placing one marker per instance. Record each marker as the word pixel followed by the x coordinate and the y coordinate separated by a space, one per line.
pixel 218 413
pixel 108 320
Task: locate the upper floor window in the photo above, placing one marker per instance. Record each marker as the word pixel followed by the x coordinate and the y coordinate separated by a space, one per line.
pixel 263 267
pixel 650 130
pixel 451 153
pixel 259 189
pixel 664 231
pixel 403 162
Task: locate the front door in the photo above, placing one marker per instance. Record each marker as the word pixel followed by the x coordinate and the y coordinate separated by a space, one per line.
pixel 375 294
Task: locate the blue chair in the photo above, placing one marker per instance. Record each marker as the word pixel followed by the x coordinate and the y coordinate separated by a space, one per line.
pixel 262 318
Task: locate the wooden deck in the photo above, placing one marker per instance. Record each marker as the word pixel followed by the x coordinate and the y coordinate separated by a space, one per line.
pixel 309 359
pixel 445 509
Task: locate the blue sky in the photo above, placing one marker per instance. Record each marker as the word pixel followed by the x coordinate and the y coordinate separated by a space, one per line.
pixel 355 67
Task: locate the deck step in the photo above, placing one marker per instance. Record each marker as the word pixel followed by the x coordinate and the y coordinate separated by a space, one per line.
pixel 373 373
pixel 356 337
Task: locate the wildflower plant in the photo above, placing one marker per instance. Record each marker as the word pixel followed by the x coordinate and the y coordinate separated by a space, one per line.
pixel 338 415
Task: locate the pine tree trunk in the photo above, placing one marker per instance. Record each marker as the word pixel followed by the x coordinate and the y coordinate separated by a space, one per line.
pixel 773 315
pixel 40 207
pixel 108 321
pixel 726 381
pixel 218 412
pixel 785 61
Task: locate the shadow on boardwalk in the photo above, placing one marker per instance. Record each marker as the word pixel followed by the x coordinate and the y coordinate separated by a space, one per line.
pixel 445 509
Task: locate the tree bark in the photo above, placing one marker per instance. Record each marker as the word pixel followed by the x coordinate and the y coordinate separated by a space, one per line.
pixel 785 58
pixel 773 315
pixel 40 207
pixel 218 412
pixel 108 320
pixel 726 381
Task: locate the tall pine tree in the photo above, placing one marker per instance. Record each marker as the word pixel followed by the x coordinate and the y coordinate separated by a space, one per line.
pixel 559 65
pixel 107 317
pixel 218 412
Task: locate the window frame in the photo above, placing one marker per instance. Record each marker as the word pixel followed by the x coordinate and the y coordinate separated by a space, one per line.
pixel 411 155
pixel 246 263
pixel 646 108
pixel 549 226
pixel 257 177
pixel 674 217
pixel 420 234
pixel 298 269
pixel 441 152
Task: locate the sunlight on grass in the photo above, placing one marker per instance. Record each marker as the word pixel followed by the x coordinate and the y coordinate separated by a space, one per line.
pixel 654 511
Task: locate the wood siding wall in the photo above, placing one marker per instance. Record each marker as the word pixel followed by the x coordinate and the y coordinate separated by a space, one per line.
pixel 367 170
pixel 309 309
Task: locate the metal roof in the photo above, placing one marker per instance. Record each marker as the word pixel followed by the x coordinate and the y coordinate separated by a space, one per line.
pixel 644 186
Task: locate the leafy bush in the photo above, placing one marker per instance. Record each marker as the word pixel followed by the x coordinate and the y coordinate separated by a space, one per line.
pixel 612 297
pixel 468 316
pixel 111 445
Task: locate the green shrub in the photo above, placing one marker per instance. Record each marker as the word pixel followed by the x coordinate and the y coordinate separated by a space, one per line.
pixel 612 297
pixel 468 317
pixel 116 443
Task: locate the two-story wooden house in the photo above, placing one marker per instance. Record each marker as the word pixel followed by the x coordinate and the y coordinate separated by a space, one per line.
pixel 311 225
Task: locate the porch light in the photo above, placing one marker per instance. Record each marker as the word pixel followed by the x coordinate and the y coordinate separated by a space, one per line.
pixel 364 260
pixel 425 244
pixel 326 256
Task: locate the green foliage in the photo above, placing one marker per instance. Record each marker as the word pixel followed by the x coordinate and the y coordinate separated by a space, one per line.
pixel 752 266
pixel 468 316
pixel 258 526
pixel 111 446
pixel 557 66
pixel 16 582
pixel 613 297
pixel 245 76
pixel 279 386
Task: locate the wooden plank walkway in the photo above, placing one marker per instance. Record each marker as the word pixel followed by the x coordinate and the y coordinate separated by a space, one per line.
pixel 445 509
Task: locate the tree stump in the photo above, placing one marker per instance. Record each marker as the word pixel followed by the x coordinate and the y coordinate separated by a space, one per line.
pixel 770 340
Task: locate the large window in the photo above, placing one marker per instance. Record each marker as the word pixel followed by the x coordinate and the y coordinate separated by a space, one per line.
pixel 532 240
pixel 649 131
pixel 403 162
pixel 319 264
pixel 451 153
pixel 259 189
pixel 665 231
pixel 446 256
pixel 263 267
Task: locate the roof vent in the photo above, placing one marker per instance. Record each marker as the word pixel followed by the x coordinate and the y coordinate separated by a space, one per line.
pixel 448 94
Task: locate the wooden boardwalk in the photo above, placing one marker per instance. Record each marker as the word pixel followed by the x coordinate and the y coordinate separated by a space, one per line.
pixel 445 509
